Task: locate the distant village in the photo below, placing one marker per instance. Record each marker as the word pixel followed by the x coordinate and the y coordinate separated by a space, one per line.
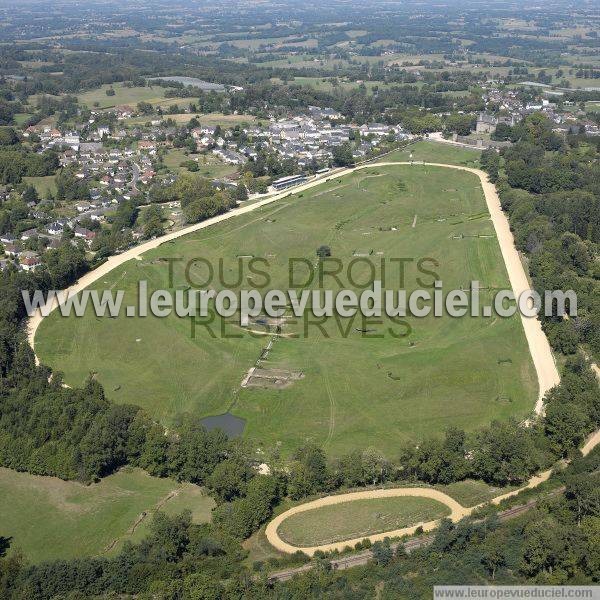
pixel 120 162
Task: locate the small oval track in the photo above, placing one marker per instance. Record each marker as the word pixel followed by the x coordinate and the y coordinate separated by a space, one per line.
pixel 457 512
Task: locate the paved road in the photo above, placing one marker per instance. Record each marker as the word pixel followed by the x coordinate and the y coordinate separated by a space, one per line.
pixel 135 175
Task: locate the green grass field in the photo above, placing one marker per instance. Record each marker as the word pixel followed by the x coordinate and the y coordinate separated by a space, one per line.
pixel 123 95
pixel 21 118
pixel 209 165
pixel 358 389
pixel 48 518
pixel 472 492
pixel 43 185
pixel 437 152
pixel 358 518
pixel 208 119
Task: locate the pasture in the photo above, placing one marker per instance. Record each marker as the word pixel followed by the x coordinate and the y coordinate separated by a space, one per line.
pixel 154 94
pixel 206 119
pixel 341 383
pixel 208 164
pixel 48 518
pixel 358 518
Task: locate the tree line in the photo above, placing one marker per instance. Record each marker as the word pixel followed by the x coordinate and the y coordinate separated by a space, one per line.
pixel 550 188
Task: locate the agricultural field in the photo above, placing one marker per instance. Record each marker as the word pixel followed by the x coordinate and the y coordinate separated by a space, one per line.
pixel 329 84
pixel 123 95
pixel 48 518
pixel 207 119
pixel 350 520
pixel 342 383
pixel 21 118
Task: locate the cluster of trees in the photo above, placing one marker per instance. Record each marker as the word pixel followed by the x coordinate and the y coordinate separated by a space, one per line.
pixel 119 234
pixel 17 162
pixel 462 124
pixel 549 188
pixel 152 222
pixel 199 199
pixel 14 216
pixel 177 559
pixel 69 188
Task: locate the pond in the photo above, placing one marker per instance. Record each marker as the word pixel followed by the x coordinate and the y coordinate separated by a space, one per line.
pixel 233 426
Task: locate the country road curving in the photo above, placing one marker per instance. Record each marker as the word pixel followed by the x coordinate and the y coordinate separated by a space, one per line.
pixel 539 348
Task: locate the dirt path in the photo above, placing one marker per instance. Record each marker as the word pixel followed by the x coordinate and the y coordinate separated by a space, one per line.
pixel 457 512
pixel 539 348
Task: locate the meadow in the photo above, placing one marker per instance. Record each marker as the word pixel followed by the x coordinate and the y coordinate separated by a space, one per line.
pixel 47 518
pixel 43 185
pixel 361 384
pixel 154 94
pixel 208 164
pixel 206 119
pixel 427 151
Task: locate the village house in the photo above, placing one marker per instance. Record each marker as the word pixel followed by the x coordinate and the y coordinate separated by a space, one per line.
pixel 29 234
pixel 12 250
pixel 486 123
pixel 7 238
pixel 86 234
pixel 29 261
pixel 56 228
pixel 124 111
